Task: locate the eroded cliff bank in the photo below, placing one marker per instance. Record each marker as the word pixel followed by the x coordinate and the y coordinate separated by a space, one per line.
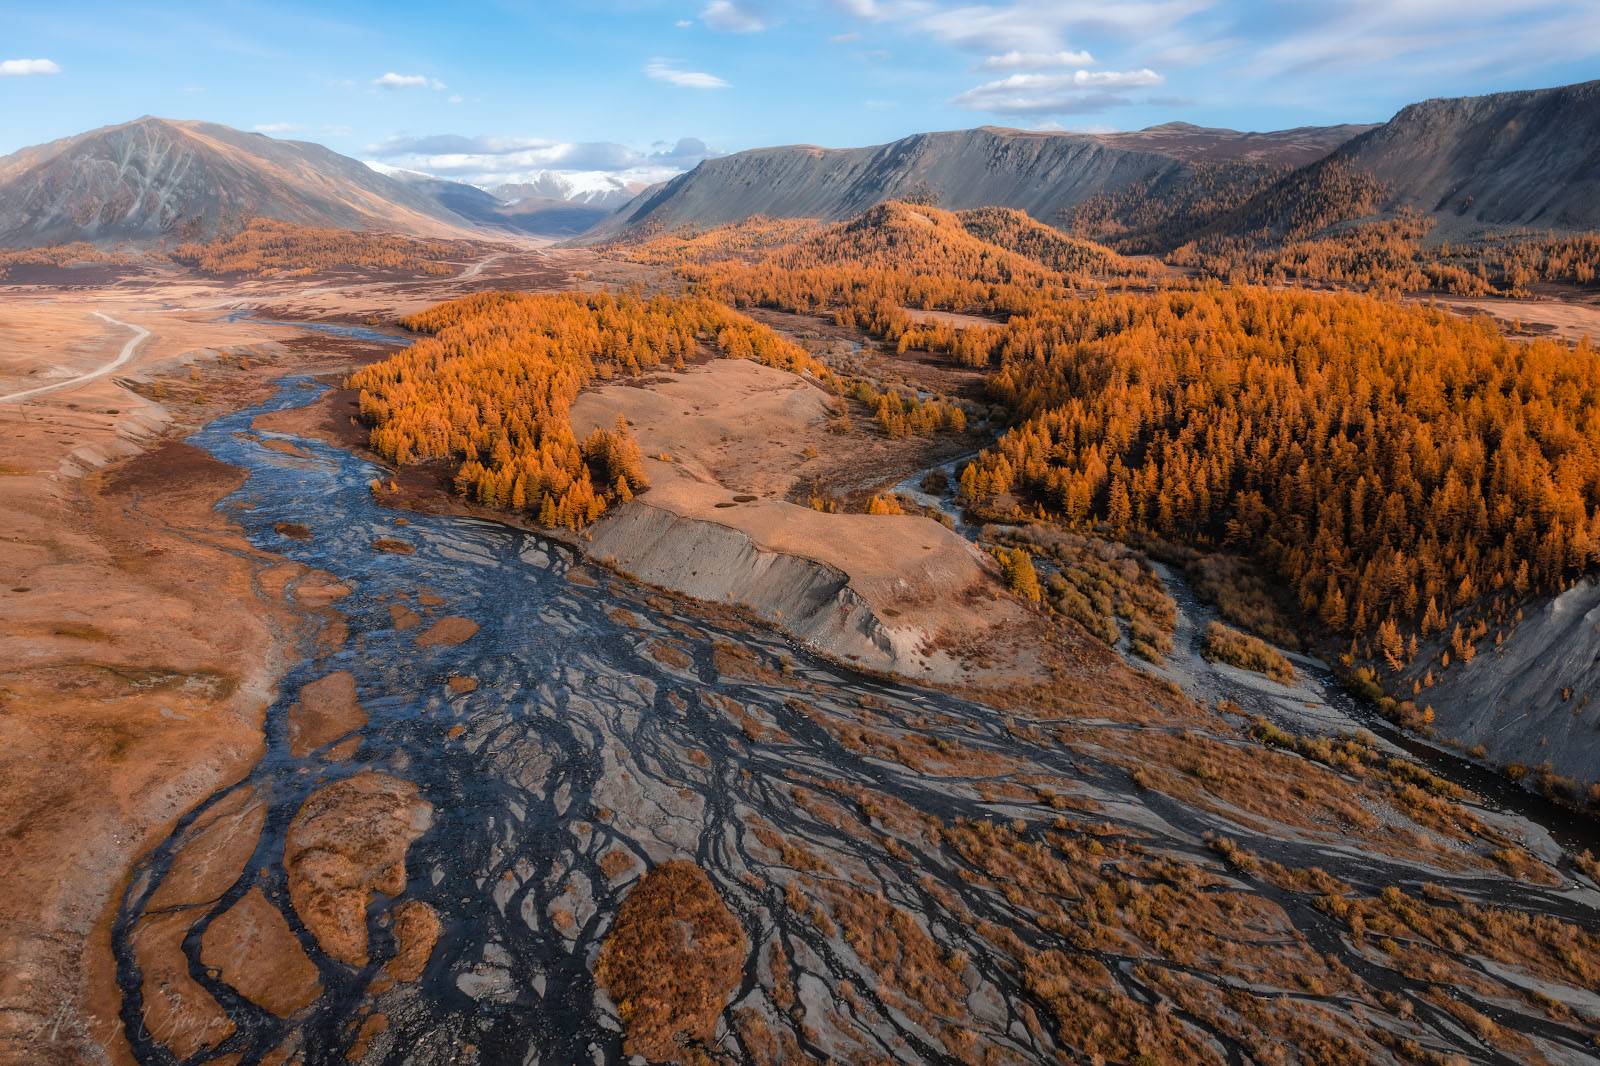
pixel 895 593
pixel 1529 700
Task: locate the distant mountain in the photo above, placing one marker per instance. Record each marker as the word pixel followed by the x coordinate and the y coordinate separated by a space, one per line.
pixel 1472 165
pixel 534 215
pixel 1039 173
pixel 1477 164
pixel 156 177
pixel 599 190
pixel 1521 159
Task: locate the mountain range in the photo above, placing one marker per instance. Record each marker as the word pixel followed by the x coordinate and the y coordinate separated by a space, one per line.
pixel 1040 173
pixel 1492 163
pixel 156 178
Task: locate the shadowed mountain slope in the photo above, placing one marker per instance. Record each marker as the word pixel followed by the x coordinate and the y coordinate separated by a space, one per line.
pixel 1470 166
pixel 1039 173
pixel 1474 165
pixel 1511 159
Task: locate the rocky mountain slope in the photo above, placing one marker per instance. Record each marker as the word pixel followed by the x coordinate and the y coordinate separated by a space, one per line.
pixel 1039 173
pixel 1500 162
pixel 1507 160
pixel 155 177
pixel 1473 166
pixel 1529 699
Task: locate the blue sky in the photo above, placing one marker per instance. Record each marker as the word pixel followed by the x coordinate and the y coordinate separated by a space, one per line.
pixel 634 89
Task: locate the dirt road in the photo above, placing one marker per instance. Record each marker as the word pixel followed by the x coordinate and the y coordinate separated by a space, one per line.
pixel 140 334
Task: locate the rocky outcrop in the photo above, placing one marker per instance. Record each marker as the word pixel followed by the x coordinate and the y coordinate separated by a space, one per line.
pixel 326 710
pixel 1531 700
pixel 252 948
pixel 894 593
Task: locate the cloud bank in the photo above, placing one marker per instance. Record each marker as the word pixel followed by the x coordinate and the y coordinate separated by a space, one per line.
pixel 495 160
pixel 1075 93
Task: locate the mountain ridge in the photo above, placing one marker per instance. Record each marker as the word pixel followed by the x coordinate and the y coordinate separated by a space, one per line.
pixel 1473 165
pixel 987 166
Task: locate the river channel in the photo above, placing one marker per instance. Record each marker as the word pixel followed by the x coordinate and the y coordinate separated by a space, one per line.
pixel 590 719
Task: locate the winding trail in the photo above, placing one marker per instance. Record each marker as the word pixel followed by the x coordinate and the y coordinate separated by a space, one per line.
pixel 477 268
pixel 122 358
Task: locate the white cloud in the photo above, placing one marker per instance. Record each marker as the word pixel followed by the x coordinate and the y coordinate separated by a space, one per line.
pixel 1424 41
pixel 1016 60
pixel 730 17
pixel 276 127
pixel 667 70
pixel 1078 92
pixel 684 24
pixel 407 81
pixel 844 38
pixel 488 161
pixel 22 68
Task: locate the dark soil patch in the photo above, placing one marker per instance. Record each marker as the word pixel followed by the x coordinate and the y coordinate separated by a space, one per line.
pixel 173 468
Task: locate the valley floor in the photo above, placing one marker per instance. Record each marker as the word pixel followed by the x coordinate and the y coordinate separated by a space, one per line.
pixel 296 774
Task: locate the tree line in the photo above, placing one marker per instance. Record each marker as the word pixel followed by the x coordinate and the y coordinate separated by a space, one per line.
pixel 266 247
pixel 1393 463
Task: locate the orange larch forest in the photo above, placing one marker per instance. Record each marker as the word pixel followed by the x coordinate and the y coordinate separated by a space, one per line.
pixel 493 386
pixel 1394 463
